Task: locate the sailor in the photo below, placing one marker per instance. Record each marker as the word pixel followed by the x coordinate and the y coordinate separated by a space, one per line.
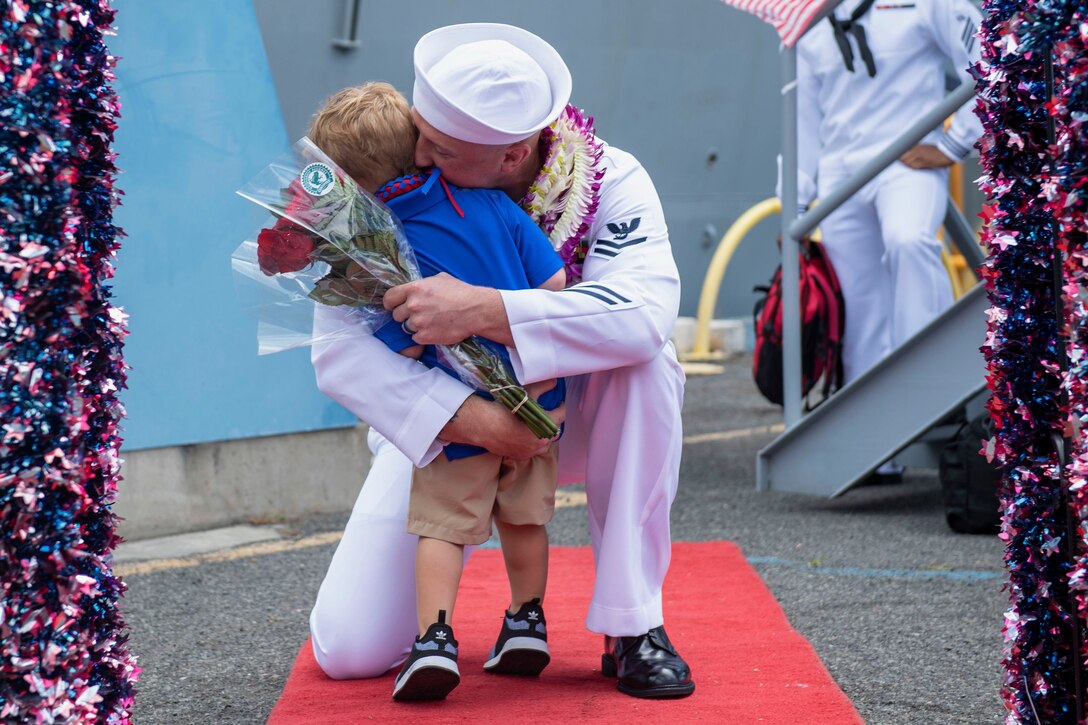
pixel 863 77
pixel 607 333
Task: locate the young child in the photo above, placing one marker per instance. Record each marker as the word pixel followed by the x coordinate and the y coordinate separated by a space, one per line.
pixel 481 237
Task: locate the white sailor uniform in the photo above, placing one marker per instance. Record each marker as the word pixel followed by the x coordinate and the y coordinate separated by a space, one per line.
pixel 609 334
pixel 882 242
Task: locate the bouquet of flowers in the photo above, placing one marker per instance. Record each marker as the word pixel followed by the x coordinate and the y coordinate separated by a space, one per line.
pixel 332 243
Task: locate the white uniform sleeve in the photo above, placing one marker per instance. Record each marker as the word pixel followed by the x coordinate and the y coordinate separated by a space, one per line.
pixel 624 310
pixel 402 399
pixel 954 25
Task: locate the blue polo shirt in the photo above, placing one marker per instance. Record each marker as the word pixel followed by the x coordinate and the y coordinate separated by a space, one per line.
pixel 495 244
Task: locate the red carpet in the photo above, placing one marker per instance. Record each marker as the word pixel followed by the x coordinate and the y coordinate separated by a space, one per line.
pixel 749 665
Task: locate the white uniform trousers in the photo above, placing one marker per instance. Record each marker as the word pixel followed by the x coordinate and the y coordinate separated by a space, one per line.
pixel 622 438
pixel 883 245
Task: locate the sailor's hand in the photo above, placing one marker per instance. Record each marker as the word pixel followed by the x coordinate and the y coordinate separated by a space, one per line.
pixel 443 310
pixel 926 156
pixel 490 425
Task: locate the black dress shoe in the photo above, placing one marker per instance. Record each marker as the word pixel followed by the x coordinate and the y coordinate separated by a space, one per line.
pixel 647 665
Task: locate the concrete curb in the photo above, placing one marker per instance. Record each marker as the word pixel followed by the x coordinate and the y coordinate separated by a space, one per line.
pixel 199 542
pixel 255 480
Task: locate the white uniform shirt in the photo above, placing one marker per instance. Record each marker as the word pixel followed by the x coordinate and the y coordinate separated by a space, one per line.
pixel 845 118
pixel 622 313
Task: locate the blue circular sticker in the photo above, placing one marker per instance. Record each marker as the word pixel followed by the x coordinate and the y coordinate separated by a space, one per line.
pixel 317 179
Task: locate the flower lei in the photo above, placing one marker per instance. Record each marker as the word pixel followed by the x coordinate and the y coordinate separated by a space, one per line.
pixel 563 198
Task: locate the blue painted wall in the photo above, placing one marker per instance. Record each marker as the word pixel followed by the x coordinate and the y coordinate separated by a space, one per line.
pixel 199 117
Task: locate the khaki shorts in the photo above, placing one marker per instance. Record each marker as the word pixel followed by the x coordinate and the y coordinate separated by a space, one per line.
pixel 455 500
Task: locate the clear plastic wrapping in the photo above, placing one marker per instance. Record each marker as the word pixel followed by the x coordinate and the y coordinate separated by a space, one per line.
pixel 329 242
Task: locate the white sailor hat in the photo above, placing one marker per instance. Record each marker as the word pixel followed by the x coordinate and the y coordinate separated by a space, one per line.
pixel 488 83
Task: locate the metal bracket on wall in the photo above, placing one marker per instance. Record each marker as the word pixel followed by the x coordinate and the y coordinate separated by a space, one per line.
pixel 350 41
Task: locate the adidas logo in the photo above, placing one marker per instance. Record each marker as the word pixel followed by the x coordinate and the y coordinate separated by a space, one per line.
pixel 533 616
pixel 440 636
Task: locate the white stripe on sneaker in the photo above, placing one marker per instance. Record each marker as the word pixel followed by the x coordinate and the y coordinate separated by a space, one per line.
pixel 518 643
pixel 433 672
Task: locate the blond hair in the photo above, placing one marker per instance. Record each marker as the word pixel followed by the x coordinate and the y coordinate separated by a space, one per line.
pixel 368 131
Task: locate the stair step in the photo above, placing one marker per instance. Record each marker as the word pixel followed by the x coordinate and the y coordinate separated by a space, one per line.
pixel 898 401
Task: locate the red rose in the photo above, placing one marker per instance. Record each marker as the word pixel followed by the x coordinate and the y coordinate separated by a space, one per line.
pixel 284 248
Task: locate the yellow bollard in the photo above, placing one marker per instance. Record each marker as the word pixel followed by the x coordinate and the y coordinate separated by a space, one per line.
pixel 716 272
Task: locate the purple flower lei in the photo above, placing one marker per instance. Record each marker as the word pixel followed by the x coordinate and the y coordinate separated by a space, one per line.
pixel 564 197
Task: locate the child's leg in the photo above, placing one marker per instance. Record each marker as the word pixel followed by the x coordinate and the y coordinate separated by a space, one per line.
pixel 438 573
pixel 449 507
pixel 522 645
pixel 430 672
pixel 523 505
pixel 525 551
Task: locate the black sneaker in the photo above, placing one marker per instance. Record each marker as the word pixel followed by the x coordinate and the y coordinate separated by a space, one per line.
pixel 522 647
pixel 430 671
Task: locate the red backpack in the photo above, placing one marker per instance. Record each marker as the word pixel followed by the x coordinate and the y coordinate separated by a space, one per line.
pixel 823 318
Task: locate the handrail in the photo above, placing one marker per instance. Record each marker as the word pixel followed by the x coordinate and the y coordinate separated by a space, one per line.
pixel 794 228
pixel 715 273
pixel 925 123
pixel 963 236
pixel 791 268
pixel 955 226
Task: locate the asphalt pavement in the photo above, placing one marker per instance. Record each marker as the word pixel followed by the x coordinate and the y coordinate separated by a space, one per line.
pixel 904 613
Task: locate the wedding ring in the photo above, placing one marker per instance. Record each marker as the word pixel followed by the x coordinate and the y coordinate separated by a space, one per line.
pixel 407 328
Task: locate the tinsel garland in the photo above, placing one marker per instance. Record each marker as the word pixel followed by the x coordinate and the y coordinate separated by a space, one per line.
pixel 1022 353
pixel 63 654
pixel 1061 29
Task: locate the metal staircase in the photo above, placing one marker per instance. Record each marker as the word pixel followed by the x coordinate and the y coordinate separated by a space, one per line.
pixel 882 412
pixel 919 385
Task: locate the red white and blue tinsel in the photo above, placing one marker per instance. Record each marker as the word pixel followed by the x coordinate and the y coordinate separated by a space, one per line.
pixel 1065 26
pixel 1035 192
pixel 63 652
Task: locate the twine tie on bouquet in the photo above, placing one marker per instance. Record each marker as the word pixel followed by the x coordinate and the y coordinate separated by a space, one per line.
pixel 517 407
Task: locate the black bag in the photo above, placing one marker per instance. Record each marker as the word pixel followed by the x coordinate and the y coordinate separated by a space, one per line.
pixel 969 481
